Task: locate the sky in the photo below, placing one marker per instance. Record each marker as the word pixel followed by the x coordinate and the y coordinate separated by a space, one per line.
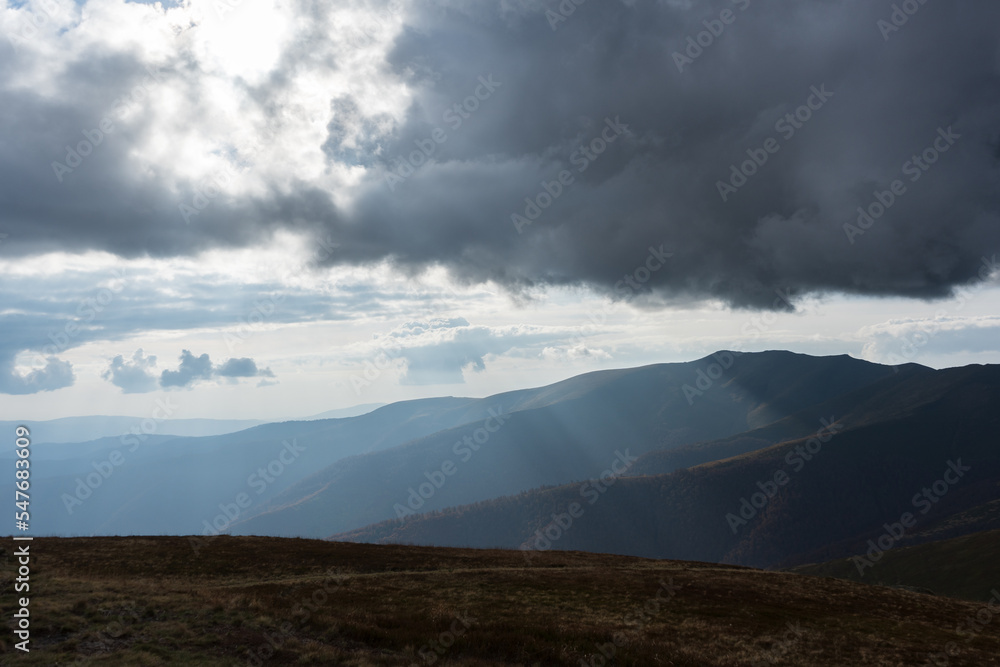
pixel 271 208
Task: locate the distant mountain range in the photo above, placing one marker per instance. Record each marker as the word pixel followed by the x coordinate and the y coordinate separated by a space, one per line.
pixel 83 429
pixel 908 458
pixel 343 413
pixel 561 433
pixel 163 484
pixel 768 459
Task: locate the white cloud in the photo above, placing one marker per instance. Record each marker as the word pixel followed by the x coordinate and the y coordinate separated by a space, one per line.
pixel 133 376
pixel 444 350
pixel 914 339
pixel 55 374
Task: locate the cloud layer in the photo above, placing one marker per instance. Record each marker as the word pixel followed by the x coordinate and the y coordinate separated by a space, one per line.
pixel 441 350
pixel 56 374
pixel 134 376
pixel 138 376
pixel 818 107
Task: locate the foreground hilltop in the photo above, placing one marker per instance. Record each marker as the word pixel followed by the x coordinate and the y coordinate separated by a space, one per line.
pixel 255 600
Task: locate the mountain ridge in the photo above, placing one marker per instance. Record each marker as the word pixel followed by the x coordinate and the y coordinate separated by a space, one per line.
pixel 878 460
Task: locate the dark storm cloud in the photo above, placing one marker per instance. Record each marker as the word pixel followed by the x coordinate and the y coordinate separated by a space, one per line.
pixel 876 103
pixel 242 368
pixel 58 198
pixel 878 97
pixel 192 369
pixel 137 375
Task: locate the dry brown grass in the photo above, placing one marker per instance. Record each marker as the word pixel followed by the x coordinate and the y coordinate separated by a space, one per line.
pixel 151 601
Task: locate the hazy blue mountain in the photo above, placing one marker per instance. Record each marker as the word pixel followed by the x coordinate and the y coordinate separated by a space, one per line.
pixel 82 429
pixel 571 430
pixel 919 432
pixel 343 413
pixel 170 485
pixel 319 477
pixel 852 407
